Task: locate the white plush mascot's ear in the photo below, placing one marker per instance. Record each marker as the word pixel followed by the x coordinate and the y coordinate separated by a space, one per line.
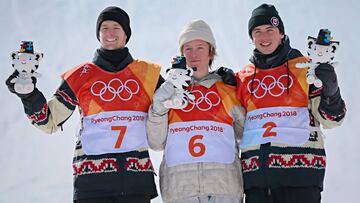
pixel 334 46
pixel 311 43
pixel 39 56
pixel 14 55
pixel 190 71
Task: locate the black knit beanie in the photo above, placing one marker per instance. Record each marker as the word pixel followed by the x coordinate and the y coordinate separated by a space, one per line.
pixel 263 15
pixel 116 14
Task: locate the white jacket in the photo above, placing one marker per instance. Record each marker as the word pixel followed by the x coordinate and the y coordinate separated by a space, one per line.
pixel 197 179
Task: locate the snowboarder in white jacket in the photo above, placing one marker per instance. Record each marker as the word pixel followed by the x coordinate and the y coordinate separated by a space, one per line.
pixel 200 141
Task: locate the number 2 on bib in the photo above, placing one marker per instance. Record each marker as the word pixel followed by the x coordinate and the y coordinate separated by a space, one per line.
pixel 200 147
pixel 269 126
pixel 122 130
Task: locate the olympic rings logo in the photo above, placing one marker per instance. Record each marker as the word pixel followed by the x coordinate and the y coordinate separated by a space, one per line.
pixel 125 91
pixel 203 102
pixel 275 88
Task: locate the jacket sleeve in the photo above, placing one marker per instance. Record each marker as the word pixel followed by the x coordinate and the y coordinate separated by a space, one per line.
pixel 238 114
pixel 49 116
pixel 157 128
pixel 326 113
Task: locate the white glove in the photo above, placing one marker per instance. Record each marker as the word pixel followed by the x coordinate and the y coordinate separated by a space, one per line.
pixel 165 92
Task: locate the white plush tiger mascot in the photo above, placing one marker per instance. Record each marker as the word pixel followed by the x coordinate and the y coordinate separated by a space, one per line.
pixel 26 62
pixel 320 50
pixel 180 76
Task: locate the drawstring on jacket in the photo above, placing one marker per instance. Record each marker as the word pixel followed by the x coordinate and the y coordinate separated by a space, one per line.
pixel 252 83
pixel 288 77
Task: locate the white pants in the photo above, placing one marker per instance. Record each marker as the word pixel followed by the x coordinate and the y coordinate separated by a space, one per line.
pixel 210 199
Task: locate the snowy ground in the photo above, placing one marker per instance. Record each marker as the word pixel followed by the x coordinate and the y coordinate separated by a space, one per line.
pixel 36 167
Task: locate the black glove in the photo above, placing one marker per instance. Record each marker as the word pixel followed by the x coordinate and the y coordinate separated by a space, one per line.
pixel 11 85
pixel 227 75
pixel 326 73
pixel 331 102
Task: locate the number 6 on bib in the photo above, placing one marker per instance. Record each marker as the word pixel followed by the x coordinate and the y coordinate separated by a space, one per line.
pixel 193 145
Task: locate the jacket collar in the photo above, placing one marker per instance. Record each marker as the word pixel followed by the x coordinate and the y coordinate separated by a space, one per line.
pixel 207 81
pixel 103 61
pixel 278 57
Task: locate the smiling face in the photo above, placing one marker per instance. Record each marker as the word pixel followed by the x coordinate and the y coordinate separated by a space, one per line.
pixel 197 54
pixel 112 35
pixel 266 38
